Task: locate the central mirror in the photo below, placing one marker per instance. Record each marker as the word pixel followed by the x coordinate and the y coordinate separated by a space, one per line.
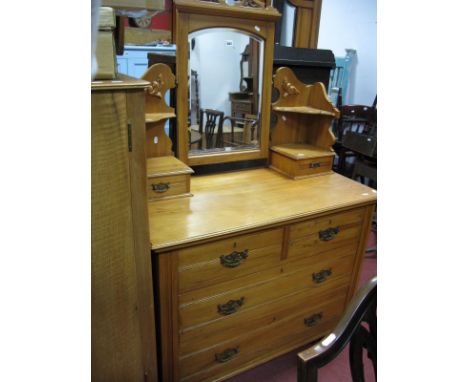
pixel 225 72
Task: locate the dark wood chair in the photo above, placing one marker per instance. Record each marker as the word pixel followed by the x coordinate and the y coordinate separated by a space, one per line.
pixel 350 329
pixel 211 127
pixel 355 121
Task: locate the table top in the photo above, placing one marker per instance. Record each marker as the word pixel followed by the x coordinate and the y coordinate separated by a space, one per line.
pixel 236 202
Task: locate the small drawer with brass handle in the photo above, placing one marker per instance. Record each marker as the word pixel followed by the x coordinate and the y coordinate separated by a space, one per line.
pixel 160 187
pixel 313 320
pixel 226 355
pixel 234 259
pixel 230 307
pixel 329 233
pixel 314 165
pixel 321 276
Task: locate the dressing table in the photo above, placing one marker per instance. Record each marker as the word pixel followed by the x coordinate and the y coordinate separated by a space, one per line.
pixel 236 267
pixel 256 262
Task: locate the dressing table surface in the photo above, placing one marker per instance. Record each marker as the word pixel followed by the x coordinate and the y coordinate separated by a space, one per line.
pixel 234 202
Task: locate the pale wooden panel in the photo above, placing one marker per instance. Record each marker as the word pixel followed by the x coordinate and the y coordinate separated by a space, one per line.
pixel 115 349
pixel 224 329
pixel 167 165
pixel 202 366
pixel 204 312
pixel 142 252
pixel 233 202
pixel 299 151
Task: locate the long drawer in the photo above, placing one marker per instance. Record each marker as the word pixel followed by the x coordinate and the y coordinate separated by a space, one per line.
pixel 273 309
pixel 304 323
pixel 227 300
pixel 209 264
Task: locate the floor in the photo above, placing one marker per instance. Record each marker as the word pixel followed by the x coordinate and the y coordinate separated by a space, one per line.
pixel 283 369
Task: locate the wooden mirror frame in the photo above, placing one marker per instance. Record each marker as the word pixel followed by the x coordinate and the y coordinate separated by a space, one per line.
pixel 195 15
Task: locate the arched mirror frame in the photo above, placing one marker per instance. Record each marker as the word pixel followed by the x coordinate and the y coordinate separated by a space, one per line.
pixel 195 15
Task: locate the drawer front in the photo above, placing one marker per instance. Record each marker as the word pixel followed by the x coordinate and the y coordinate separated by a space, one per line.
pixel 313 166
pixel 241 107
pixel 319 235
pixel 209 264
pixel 307 323
pixel 164 186
pixel 226 305
pixel 245 319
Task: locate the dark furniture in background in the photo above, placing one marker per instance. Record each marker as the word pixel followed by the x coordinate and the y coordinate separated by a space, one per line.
pixel 361 309
pixel 309 65
pixel 356 136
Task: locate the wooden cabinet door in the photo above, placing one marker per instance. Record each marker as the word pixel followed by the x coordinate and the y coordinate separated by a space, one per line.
pixel 122 323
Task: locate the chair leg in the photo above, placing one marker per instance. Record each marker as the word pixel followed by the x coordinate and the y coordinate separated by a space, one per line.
pixel 306 372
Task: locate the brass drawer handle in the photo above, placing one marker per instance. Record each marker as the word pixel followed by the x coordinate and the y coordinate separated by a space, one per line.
pixel 234 259
pixel 321 276
pixel 160 187
pixel 329 233
pixel 313 320
pixel 314 165
pixel 226 355
pixel 230 307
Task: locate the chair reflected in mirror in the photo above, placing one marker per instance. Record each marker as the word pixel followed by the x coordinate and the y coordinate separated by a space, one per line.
pixel 243 131
pixel 209 130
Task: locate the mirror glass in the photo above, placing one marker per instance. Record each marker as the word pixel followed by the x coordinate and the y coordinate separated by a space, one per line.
pixel 225 74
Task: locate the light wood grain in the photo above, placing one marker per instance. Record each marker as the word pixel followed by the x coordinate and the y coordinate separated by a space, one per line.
pixel 299 151
pixel 303 110
pixel 248 200
pixel 156 117
pixel 123 332
pixel 121 82
pixel 275 309
pixel 166 165
pixel 202 366
pixel 192 16
pixel 292 276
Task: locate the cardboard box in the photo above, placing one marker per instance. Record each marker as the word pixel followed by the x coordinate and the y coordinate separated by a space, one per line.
pixel 105 56
pixel 105 46
pixel 135 5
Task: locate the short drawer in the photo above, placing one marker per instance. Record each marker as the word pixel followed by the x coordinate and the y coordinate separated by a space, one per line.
pixel 312 321
pixel 164 186
pixel 316 236
pixel 295 168
pixel 230 300
pixel 313 166
pixel 209 264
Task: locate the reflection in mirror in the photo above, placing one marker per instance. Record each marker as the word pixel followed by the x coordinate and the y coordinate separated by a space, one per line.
pixel 225 84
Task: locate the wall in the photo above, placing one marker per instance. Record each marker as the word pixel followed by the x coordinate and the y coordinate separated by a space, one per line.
pixel 353 24
pixel 220 72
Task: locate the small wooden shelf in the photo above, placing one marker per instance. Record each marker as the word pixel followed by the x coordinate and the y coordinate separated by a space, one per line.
pixel 164 166
pixel 157 117
pixel 303 110
pixel 298 151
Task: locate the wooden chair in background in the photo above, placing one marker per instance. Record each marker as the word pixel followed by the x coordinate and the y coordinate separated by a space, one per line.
pixel 211 127
pixel 358 121
pixel 249 126
pixel 350 329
